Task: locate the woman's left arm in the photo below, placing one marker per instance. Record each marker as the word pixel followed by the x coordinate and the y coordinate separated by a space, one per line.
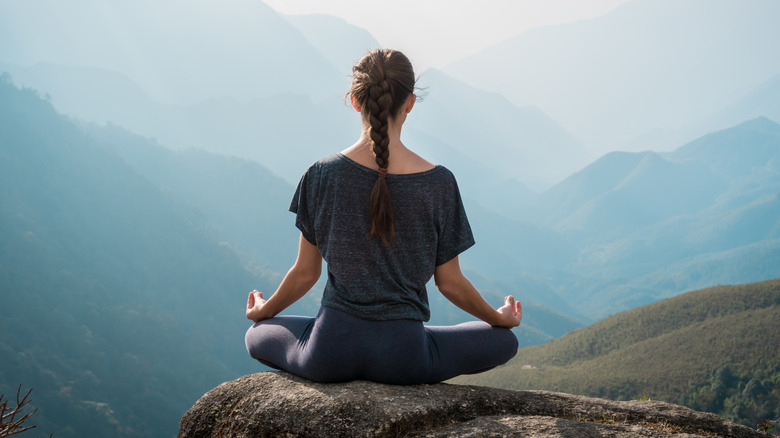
pixel 299 280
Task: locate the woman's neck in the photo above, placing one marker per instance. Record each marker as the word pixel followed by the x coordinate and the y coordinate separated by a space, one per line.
pixel 402 160
pixel 364 144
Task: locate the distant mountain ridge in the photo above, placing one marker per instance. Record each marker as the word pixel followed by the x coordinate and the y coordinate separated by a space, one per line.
pixel 646 65
pixel 522 143
pixel 712 349
pixel 177 52
pixel 645 225
pixel 628 191
pixel 340 42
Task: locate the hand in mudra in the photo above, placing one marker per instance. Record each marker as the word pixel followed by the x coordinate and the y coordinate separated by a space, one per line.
pixel 254 304
pixel 511 312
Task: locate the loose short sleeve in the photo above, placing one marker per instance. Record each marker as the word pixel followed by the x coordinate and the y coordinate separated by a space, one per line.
pixel 304 205
pixel 455 234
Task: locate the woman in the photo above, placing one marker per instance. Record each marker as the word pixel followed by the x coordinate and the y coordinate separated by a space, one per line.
pixel 385 220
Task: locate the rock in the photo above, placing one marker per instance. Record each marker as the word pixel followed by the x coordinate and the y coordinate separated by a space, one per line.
pixel 278 404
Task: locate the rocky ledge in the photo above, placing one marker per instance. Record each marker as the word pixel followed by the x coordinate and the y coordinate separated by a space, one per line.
pixel 277 404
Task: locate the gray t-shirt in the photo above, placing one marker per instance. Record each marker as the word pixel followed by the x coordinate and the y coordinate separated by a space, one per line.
pixel 366 278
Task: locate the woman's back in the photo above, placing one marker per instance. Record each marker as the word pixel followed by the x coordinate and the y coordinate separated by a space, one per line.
pixel 367 278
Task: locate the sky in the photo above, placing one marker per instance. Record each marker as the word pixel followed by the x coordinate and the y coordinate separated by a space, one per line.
pixel 434 33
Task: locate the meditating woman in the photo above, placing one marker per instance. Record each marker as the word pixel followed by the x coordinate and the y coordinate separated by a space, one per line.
pixel 385 220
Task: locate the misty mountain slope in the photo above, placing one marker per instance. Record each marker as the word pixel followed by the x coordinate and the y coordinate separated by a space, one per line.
pixel 593 181
pixel 763 101
pixel 480 183
pixel 645 227
pixel 117 308
pixel 685 254
pixel 735 153
pixel 521 143
pixel 515 257
pixel 508 246
pixel 286 132
pixel 622 192
pixel 245 204
pixel 652 191
pixel 178 52
pixel 685 237
pixel 675 350
pixel 612 78
pixel 735 208
pixel 340 42
pixel 704 172
pixel 89 93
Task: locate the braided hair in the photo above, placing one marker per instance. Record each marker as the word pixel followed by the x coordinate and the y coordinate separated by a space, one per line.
pixel 382 80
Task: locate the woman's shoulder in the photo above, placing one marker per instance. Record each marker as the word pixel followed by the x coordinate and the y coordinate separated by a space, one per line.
pixel 322 164
pixel 328 161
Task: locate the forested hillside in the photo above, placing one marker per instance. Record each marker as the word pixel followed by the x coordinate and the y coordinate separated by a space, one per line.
pixel 713 350
pixel 118 307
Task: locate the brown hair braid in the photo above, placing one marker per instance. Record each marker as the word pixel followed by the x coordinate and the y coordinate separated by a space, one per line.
pixel 382 81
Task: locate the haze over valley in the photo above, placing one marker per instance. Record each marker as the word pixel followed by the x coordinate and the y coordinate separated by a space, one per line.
pixel 148 155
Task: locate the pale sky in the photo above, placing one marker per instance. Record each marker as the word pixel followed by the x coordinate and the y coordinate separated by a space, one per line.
pixel 434 33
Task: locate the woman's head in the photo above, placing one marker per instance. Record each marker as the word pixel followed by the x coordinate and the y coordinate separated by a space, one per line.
pixel 382 81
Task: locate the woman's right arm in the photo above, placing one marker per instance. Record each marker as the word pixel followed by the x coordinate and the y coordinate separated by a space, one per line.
pixel 299 280
pixel 459 290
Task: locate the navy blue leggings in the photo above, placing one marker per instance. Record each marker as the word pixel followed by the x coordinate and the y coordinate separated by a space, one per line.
pixel 337 347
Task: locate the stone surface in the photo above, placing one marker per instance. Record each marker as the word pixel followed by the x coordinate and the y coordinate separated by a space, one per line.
pixel 277 404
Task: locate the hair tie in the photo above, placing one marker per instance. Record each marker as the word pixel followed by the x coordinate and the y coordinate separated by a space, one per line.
pixel 382 172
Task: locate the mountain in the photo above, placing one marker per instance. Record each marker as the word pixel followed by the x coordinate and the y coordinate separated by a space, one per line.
pixel 745 161
pixel 737 153
pixel 262 86
pixel 521 143
pixel 89 93
pixel 266 129
pixel 338 41
pixel 180 52
pixel 646 65
pixel 623 191
pixel 642 226
pixel 245 205
pixel 119 307
pixel 763 101
pixel 711 349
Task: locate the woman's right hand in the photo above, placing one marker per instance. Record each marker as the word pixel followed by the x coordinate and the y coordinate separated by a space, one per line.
pixel 510 313
pixel 254 306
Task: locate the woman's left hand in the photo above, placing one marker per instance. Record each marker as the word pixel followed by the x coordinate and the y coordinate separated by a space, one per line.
pixel 254 306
